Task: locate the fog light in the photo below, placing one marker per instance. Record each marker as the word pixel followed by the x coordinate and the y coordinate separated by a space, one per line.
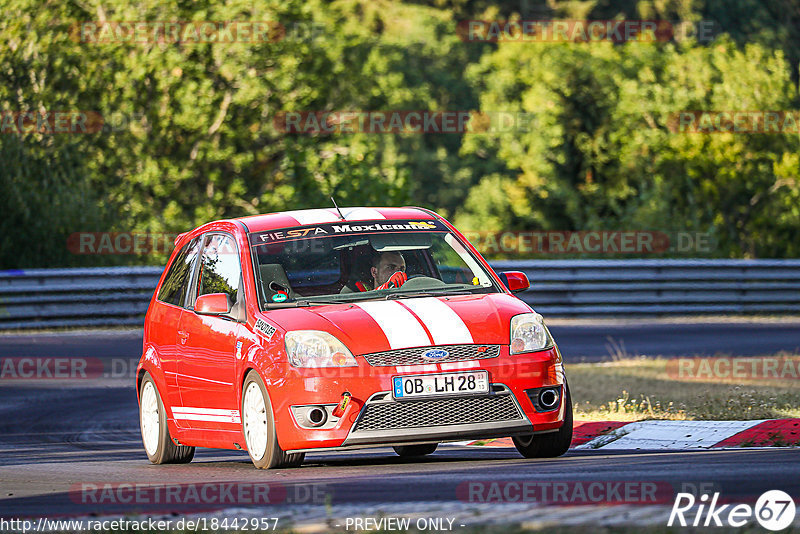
pixel 316 416
pixel 546 399
pixel 313 416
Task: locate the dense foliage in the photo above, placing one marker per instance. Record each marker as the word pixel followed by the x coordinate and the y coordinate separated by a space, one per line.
pixel 190 132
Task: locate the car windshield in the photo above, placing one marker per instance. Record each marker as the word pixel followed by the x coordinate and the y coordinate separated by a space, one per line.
pixel 346 262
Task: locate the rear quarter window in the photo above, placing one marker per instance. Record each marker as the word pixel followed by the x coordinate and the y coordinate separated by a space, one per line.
pixel 173 290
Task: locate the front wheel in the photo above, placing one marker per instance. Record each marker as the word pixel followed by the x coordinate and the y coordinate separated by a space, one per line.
pixel 411 451
pixel 551 444
pixel 258 423
pixel 153 423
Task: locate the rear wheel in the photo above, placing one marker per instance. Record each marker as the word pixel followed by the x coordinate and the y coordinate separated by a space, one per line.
pixel 410 451
pixel 157 442
pixel 258 423
pixel 551 444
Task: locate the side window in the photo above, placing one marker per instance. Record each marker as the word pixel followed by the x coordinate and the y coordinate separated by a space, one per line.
pixel 173 290
pixel 220 270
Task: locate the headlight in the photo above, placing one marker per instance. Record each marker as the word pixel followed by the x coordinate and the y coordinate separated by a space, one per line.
pixel 528 333
pixel 313 348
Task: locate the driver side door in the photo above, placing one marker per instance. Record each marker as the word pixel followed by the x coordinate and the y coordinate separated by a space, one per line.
pixel 209 345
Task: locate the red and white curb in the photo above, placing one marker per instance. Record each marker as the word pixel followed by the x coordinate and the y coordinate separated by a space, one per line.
pixel 675 435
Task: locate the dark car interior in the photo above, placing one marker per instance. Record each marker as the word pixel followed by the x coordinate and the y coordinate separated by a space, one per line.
pixel 307 274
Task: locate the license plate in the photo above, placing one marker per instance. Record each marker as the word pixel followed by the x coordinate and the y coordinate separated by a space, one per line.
pixel 404 387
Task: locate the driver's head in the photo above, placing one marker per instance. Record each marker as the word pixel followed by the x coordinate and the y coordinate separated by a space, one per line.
pixel 385 265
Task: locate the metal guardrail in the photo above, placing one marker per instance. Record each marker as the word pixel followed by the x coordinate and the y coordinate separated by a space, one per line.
pixel 50 298
pixel 43 298
pixel 660 287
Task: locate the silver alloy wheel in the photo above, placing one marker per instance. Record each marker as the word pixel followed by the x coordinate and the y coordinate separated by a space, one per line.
pixel 255 421
pixel 150 418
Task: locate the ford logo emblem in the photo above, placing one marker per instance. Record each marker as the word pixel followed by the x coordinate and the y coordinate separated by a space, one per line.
pixel 435 354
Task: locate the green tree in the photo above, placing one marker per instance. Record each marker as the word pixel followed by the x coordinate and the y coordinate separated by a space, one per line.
pixel 603 156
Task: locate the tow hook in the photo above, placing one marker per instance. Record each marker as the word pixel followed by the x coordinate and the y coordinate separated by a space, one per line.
pixel 339 410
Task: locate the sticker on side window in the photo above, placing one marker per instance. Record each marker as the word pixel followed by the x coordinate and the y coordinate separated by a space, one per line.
pixel 265 328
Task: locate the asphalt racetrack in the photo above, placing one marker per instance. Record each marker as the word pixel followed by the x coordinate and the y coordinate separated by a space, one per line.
pixel 578 340
pixel 59 437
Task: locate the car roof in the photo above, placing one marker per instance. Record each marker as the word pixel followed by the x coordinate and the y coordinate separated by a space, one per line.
pixel 288 219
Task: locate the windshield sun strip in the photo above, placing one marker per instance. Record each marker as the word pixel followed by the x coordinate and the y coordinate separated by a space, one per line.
pixel 314 231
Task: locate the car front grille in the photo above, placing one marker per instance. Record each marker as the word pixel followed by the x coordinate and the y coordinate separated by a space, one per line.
pixel 390 414
pixel 456 353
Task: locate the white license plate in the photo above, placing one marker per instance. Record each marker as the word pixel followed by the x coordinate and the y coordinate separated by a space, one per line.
pixel 404 387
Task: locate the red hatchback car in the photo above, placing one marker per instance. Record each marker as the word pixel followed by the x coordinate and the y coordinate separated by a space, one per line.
pixel 323 329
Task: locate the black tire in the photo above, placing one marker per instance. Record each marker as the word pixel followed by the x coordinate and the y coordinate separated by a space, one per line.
pixel 411 451
pixel 551 444
pixel 165 452
pixel 273 456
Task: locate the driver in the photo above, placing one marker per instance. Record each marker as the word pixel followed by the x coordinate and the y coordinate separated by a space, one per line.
pixel 388 270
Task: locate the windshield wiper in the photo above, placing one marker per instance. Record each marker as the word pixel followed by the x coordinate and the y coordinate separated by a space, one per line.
pixel 428 293
pixel 303 303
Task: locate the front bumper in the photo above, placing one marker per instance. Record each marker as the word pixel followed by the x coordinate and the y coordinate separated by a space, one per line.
pixel 374 418
pixel 383 419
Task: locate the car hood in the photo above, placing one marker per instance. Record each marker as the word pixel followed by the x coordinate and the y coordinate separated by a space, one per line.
pixel 381 325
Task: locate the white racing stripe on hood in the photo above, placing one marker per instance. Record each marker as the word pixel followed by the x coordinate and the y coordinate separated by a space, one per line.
pixel 400 327
pixel 312 216
pixel 444 324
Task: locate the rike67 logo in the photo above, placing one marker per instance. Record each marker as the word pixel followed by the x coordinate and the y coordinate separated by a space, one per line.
pixel 774 510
